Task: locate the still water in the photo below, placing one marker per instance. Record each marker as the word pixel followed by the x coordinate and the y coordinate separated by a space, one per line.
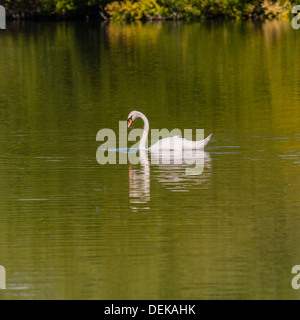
pixel 71 228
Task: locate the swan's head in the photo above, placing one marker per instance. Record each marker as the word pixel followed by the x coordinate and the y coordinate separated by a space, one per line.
pixel 131 117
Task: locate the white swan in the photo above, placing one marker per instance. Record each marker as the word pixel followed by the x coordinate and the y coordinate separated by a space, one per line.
pixel 174 143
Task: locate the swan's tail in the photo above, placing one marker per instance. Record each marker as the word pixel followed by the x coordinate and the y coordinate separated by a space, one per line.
pixel 203 143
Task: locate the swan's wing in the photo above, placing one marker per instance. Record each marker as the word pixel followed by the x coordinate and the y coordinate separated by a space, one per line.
pixel 178 143
pixel 188 144
pixel 168 143
pixel 202 143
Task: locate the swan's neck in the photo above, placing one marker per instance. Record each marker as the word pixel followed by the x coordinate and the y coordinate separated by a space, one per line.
pixel 145 132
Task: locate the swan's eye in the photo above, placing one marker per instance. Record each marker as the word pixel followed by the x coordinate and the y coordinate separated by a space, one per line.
pixel 129 122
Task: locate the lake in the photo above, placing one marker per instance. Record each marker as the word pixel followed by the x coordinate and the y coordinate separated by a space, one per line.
pixel 71 228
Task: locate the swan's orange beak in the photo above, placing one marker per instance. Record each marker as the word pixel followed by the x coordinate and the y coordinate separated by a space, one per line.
pixel 129 122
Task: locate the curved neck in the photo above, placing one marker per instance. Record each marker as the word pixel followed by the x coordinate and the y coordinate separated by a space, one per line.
pixel 145 132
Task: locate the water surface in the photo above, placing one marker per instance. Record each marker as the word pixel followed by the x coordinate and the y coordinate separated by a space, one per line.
pixel 73 229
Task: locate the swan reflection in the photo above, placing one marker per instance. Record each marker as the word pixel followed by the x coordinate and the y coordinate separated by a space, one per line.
pixel 139 183
pixel 172 175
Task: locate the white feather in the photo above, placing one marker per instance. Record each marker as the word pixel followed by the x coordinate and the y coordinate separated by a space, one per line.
pixel 174 143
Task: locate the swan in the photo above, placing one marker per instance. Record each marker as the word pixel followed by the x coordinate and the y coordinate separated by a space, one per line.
pixel 174 143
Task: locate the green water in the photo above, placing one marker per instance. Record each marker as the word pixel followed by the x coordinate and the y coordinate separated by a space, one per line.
pixel 71 228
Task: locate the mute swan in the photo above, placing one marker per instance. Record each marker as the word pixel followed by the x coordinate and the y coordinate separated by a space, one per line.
pixel 174 143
